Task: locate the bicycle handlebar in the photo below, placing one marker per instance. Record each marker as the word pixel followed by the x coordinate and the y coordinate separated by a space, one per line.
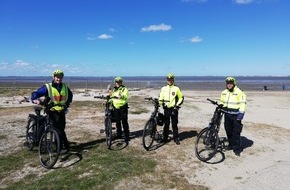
pixel 156 99
pixel 212 101
pixel 215 103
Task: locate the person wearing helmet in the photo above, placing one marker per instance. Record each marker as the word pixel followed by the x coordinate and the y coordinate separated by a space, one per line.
pixel 119 100
pixel 171 99
pixel 58 94
pixel 234 99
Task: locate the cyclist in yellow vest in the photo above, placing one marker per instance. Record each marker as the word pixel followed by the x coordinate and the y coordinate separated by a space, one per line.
pixel 60 96
pixel 120 103
pixel 235 100
pixel 171 99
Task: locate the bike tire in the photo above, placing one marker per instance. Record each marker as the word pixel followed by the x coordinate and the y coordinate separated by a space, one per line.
pixel 49 148
pixel 30 133
pixel 108 130
pixel 149 133
pixel 206 145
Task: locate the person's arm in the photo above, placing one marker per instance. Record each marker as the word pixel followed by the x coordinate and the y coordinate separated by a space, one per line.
pixel 124 94
pixel 180 98
pixel 70 97
pixel 42 91
pixel 242 109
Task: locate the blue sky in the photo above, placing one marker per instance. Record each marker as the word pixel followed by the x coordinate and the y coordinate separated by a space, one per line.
pixel 145 37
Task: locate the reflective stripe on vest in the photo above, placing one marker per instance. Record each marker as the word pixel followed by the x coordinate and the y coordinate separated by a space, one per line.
pixel 58 98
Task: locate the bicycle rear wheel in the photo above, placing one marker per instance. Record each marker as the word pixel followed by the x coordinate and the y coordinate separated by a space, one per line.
pixel 149 134
pixel 108 130
pixel 30 133
pixel 49 148
pixel 206 145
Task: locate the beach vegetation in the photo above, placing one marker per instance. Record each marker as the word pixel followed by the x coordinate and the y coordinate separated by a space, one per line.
pixel 97 168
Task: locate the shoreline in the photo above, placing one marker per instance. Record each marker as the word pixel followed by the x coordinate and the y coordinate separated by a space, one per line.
pixel 208 86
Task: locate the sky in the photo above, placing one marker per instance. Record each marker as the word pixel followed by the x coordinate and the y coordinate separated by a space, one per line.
pixel 145 37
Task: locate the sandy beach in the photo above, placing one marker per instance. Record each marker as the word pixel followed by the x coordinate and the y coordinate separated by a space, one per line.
pixel 263 164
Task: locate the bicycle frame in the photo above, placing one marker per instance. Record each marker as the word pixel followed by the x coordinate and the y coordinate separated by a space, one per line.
pixel 208 141
pixel 109 119
pixel 49 145
pixel 217 116
pixel 109 109
pixel 34 128
pixel 150 132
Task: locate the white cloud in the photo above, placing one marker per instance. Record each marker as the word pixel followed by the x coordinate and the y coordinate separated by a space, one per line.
pixel 105 37
pixel 20 63
pixel 3 65
pixel 91 38
pixel 243 1
pixel 160 27
pixel 196 39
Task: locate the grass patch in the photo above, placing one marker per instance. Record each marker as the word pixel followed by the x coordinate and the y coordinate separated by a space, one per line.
pixel 139 110
pixel 90 104
pixel 15 162
pixel 16 91
pixel 99 168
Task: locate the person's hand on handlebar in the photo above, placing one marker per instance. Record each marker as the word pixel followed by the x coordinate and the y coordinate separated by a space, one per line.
pixel 36 101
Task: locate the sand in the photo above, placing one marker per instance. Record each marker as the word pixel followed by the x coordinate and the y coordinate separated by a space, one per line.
pixel 264 162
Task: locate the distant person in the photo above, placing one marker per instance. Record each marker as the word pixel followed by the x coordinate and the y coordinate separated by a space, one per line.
pixel 171 98
pixel 283 87
pixel 235 100
pixel 119 99
pixel 61 97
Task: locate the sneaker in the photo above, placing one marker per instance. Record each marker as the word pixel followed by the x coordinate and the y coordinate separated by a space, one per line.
pixel 63 151
pixel 163 141
pixel 118 136
pixel 177 142
pixel 228 148
pixel 237 153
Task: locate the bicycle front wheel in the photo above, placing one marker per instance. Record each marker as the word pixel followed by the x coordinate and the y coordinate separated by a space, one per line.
pixel 49 148
pixel 149 134
pixel 30 133
pixel 108 130
pixel 206 144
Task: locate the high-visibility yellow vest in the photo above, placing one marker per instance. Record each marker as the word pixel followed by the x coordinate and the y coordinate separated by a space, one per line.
pixel 59 99
pixel 235 101
pixel 170 96
pixel 121 91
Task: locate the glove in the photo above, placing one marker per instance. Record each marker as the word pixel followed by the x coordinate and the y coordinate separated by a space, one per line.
pixel 176 107
pixel 240 116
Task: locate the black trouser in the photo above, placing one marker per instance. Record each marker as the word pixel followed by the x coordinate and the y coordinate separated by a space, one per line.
pixel 121 116
pixel 170 113
pixel 233 130
pixel 58 121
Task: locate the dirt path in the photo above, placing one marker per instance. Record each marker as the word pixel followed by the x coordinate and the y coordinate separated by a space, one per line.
pixel 260 165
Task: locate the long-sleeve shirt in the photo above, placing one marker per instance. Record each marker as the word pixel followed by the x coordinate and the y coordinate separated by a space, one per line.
pixel 170 96
pixel 43 91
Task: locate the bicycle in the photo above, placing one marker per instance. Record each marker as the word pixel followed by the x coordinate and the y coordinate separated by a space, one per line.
pixel 208 141
pixel 150 132
pixel 34 128
pixel 109 119
pixel 49 143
